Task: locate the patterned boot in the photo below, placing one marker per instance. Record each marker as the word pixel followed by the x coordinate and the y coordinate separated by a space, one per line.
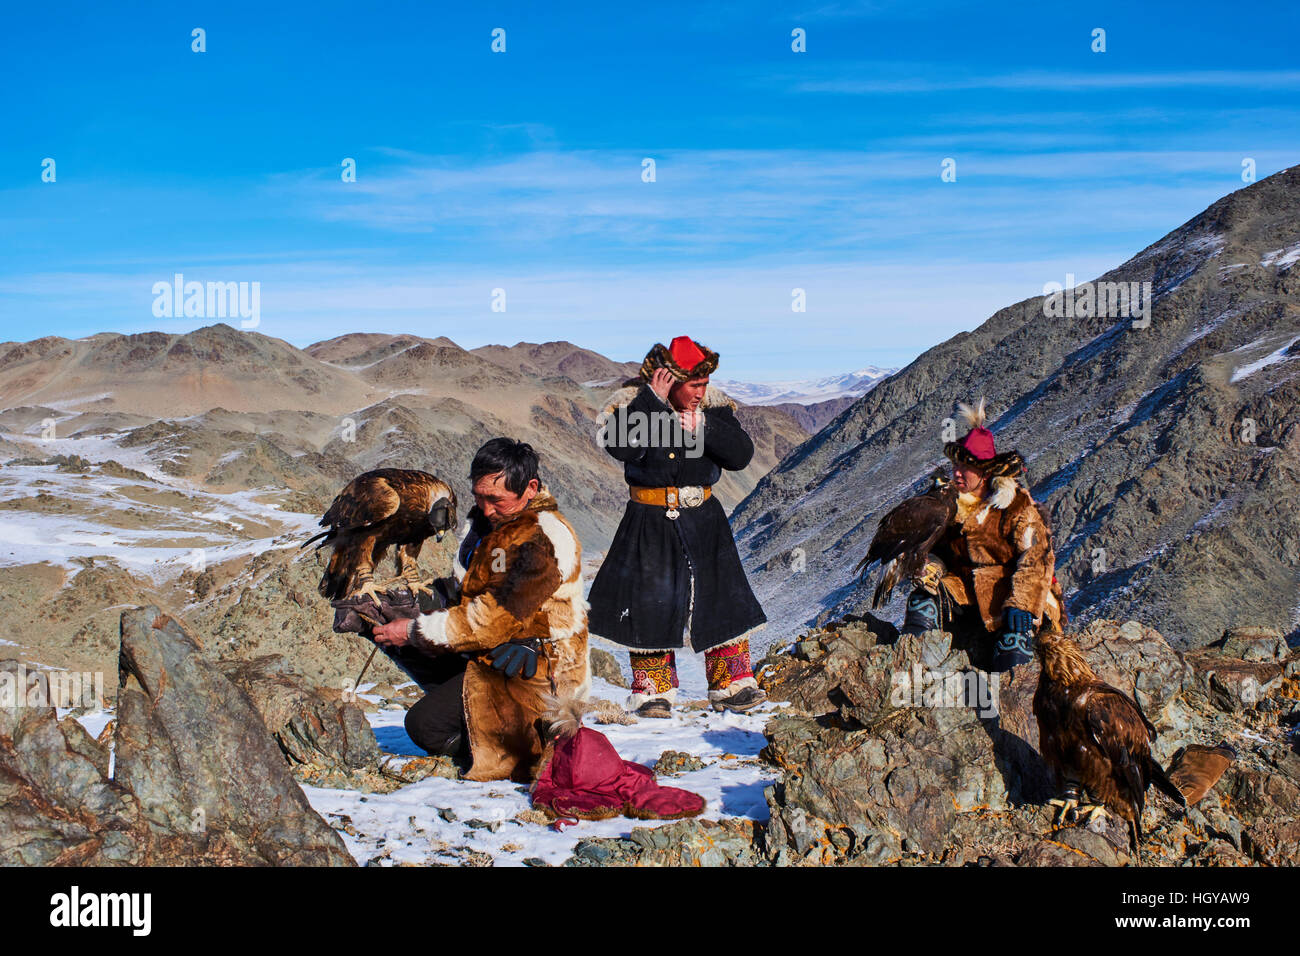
pixel 1012 649
pixel 731 678
pixel 922 613
pixel 654 683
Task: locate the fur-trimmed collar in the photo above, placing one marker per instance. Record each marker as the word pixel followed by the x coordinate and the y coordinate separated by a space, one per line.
pixel 714 397
pixel 1003 493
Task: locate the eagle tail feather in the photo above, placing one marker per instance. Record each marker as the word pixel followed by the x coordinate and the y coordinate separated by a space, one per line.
pixel 317 537
pixel 1165 785
pixel 885 587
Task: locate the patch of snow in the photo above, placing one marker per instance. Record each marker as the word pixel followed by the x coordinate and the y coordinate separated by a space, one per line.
pixel 808 391
pixel 1271 359
pixel 1282 258
pixel 405 825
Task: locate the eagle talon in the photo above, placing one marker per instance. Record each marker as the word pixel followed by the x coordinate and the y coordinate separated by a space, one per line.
pixel 410 580
pixel 1070 811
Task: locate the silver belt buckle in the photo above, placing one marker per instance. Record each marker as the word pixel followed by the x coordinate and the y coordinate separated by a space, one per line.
pixel 692 496
pixel 670 496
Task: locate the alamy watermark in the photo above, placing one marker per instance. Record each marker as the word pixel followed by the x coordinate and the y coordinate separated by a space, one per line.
pixel 1102 300
pixel 40 688
pixel 212 300
pixel 922 687
pixel 637 429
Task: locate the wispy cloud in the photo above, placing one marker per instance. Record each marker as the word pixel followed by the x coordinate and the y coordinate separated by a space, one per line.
pixel 923 79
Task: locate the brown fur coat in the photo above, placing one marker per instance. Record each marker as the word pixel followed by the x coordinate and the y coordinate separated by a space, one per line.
pixel 999 555
pixel 524 580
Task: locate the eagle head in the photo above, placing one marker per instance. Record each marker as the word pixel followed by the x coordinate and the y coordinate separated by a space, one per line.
pixel 442 514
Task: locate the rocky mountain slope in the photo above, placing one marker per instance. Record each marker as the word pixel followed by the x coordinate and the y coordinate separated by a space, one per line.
pixel 1168 455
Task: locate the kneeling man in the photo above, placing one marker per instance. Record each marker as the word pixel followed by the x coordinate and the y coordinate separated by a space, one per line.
pixel 520 625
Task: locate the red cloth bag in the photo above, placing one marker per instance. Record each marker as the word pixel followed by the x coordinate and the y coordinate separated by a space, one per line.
pixel 587 779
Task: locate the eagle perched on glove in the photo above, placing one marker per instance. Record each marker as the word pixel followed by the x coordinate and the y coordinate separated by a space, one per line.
pixel 388 507
pixel 907 534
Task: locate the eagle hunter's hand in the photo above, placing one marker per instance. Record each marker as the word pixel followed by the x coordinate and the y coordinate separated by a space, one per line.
pixel 394 633
pixel 661 381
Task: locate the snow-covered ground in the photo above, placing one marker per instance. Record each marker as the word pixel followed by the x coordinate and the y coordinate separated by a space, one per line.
pixel 444 821
pixel 159 529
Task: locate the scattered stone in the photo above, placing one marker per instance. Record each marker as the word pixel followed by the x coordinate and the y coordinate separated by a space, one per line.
pixel 605 666
pixel 674 762
pixel 683 843
pixel 608 712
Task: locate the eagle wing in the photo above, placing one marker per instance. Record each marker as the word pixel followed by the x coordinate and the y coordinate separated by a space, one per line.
pixel 366 500
pixel 902 541
pixel 1120 748
pixel 353 530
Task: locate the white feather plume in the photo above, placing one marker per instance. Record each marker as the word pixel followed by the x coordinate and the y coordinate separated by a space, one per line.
pixel 974 416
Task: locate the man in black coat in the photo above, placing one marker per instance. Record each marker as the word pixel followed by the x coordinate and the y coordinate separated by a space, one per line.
pixel 672 574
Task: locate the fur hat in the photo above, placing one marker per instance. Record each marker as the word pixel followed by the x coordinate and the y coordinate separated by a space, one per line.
pixel 976 450
pixel 685 358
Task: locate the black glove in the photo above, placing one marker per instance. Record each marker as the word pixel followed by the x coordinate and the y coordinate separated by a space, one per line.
pixel 1018 621
pixel 515 656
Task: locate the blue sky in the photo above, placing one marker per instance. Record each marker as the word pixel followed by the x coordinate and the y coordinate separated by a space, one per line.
pixel 522 170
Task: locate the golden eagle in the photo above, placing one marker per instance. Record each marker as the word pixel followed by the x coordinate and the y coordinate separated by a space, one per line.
pixel 382 508
pixel 906 535
pixel 1095 738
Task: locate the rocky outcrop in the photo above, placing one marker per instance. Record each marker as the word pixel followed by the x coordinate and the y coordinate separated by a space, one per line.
pixel 888 757
pixel 313 726
pixel 194 776
pixel 884 762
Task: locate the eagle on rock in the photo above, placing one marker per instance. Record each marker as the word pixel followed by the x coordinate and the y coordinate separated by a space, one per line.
pixel 388 507
pixel 1095 738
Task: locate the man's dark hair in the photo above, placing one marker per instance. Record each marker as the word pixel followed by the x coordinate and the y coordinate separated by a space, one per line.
pixel 515 459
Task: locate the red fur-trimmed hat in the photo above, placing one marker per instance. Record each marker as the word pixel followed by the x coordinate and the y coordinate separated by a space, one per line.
pixel 976 449
pixel 685 358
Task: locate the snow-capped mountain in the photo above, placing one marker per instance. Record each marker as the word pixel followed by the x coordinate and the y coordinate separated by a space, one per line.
pixel 807 391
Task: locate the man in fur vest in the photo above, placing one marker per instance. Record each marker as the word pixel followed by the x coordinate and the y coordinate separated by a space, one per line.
pixel 995 563
pixel 519 630
pixel 672 574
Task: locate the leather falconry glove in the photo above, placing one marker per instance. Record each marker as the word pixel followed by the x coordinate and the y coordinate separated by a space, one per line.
pixel 515 656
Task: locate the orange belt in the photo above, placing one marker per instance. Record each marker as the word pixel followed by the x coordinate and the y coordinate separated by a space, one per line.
pixel 671 498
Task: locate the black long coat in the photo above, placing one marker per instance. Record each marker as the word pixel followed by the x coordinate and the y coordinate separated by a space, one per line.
pixel 642 593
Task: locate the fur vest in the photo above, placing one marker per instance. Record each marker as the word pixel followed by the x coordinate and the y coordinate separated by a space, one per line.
pixel 522 579
pixel 999 555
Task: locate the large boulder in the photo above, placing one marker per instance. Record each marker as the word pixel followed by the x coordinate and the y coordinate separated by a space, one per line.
pixel 192 747
pixel 324 727
pixel 195 777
